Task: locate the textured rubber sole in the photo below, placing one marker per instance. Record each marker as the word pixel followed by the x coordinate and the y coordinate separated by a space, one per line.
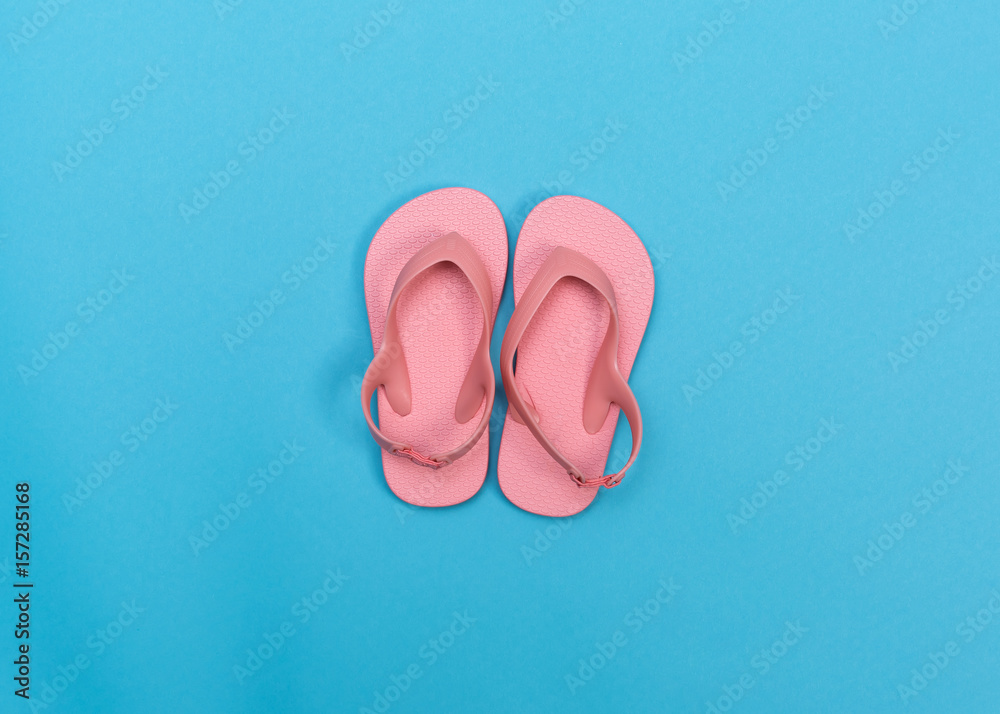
pixel 560 345
pixel 440 322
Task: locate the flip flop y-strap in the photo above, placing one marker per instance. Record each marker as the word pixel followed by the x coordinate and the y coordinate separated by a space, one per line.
pixel 388 369
pixel 606 384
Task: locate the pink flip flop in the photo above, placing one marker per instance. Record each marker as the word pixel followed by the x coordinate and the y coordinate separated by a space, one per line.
pixel 433 278
pixel 583 291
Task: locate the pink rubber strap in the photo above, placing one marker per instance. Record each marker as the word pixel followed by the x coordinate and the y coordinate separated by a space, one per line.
pixel 388 369
pixel 606 383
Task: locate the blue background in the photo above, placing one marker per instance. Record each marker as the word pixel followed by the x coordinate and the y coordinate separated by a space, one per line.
pixel 540 606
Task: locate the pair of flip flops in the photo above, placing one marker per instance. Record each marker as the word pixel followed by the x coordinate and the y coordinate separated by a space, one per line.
pixel 583 291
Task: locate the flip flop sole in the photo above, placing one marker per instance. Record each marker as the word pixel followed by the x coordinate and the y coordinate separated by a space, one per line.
pixel 440 321
pixel 560 345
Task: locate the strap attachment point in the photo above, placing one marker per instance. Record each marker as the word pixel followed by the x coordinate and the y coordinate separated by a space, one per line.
pixel 609 481
pixel 614 480
pixel 418 458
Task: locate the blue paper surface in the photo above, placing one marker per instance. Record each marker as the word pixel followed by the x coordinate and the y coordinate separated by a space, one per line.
pixel 187 193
